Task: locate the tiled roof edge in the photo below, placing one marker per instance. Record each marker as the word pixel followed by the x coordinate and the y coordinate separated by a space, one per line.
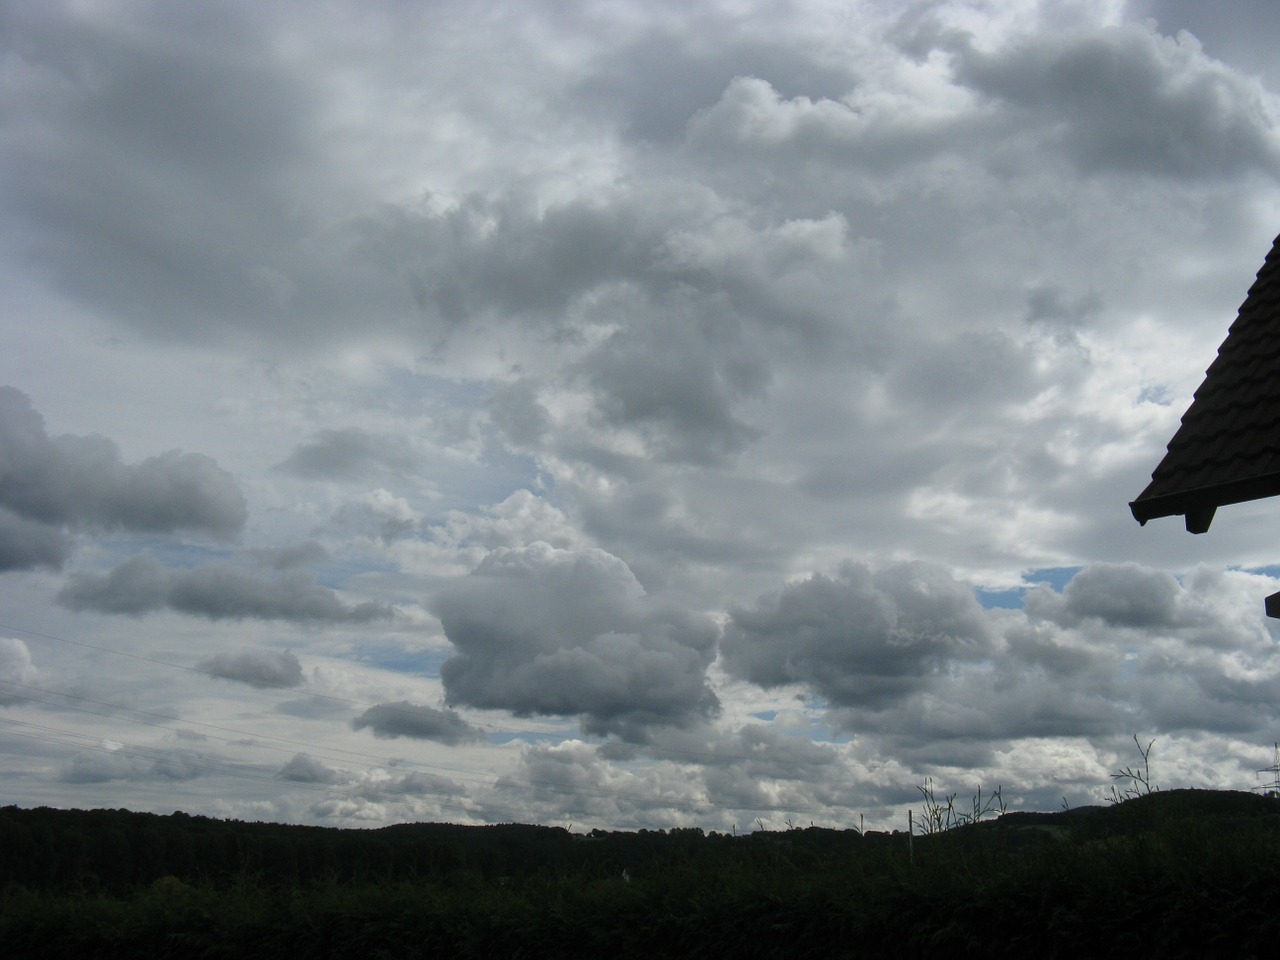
pixel 1219 495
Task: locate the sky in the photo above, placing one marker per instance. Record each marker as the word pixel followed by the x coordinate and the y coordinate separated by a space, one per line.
pixel 622 415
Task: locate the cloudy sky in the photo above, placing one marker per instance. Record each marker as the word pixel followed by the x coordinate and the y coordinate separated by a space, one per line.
pixel 622 414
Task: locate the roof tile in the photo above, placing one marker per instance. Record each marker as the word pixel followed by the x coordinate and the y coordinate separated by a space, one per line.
pixel 1228 447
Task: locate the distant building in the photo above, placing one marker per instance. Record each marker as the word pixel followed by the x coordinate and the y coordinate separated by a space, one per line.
pixel 1227 449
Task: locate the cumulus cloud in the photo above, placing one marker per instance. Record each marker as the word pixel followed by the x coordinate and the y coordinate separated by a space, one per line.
pixel 504 252
pixel 860 636
pixel 403 719
pixel 304 768
pixel 540 630
pixel 1128 99
pixel 52 484
pixel 675 383
pixel 462 539
pixel 28 544
pixel 522 518
pixel 863 130
pixel 124 764
pixel 258 668
pixel 1121 647
pixel 1125 595
pixel 219 591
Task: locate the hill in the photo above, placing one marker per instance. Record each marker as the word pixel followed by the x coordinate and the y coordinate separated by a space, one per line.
pixel 1169 874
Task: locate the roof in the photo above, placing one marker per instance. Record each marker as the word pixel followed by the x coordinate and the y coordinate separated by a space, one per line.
pixel 1227 449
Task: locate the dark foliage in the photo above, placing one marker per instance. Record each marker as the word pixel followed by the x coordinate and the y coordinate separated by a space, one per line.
pixel 1172 874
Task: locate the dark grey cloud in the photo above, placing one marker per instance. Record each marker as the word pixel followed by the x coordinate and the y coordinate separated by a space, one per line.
pixel 1052 306
pixel 304 768
pixel 1127 99
pixel 861 637
pixel 660 80
pixel 1180 695
pixel 972 372
pixel 258 668
pixel 666 330
pixel 415 785
pixel 504 254
pixel 669 340
pixel 155 161
pixel 216 591
pixel 28 544
pixel 137 586
pixel 103 767
pixel 348 454
pixel 296 555
pixel 403 719
pixel 1123 595
pixel 676 381
pixel 569 632
pixel 126 764
pixel 964 717
pixel 49 485
pixel 1121 647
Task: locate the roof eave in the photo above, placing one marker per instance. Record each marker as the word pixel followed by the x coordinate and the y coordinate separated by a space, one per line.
pixel 1199 505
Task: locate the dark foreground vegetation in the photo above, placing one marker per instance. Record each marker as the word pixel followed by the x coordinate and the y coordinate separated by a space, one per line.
pixel 1172 874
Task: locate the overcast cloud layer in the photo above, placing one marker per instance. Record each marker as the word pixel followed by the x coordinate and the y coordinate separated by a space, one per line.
pixel 622 414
